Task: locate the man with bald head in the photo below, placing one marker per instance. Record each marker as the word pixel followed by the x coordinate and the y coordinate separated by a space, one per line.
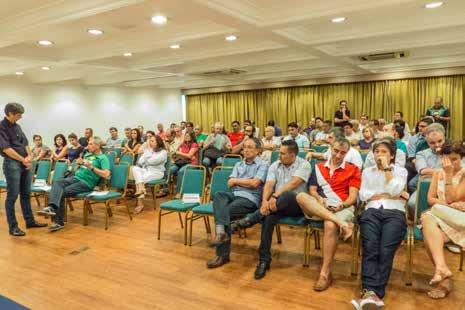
pixel 439 112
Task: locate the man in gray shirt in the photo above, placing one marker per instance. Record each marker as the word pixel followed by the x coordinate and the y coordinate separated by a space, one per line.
pixel 287 177
pixel 246 183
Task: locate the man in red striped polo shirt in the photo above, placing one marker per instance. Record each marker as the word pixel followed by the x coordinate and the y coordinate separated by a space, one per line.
pixel 333 189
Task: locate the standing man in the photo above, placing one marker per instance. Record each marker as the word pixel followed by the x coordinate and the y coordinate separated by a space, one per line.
pixel 439 112
pixel 342 115
pixel 16 168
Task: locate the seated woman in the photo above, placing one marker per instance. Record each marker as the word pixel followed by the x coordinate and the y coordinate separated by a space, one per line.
pixel 437 230
pixel 39 151
pixel 187 154
pixel 134 143
pixel 145 145
pixel 150 166
pixel 270 143
pixel 368 137
pixel 60 149
pixel 383 223
pixel 75 150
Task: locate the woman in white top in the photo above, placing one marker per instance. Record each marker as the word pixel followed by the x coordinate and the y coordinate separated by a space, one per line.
pixel 150 165
pixel 270 143
pixel 382 224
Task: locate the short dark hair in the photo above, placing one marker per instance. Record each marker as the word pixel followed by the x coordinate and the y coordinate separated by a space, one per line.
pixel 291 146
pixel 293 125
pixel 375 122
pixel 258 143
pixel 340 102
pixel 270 123
pixel 328 122
pixel 150 132
pixel 318 118
pixel 14 108
pixel 113 128
pixel 427 120
pixel 364 115
pixel 399 122
pixel 247 121
pixel 400 130
pixel 349 125
pixel 390 143
pixel 60 135
pixel 189 124
pixel 91 130
pixel 450 147
pixel 36 136
pixel 235 122
pixel 72 136
pixel 400 113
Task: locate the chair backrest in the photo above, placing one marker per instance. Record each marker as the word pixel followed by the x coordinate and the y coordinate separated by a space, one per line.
pixel 193 181
pixel 117 150
pixel 302 154
pixel 422 196
pixel 274 156
pixel 43 169
pixel 60 170
pixel 319 148
pixel 219 183
pixel 111 158
pixel 119 177
pixel 127 159
pixel 167 174
pixel 231 161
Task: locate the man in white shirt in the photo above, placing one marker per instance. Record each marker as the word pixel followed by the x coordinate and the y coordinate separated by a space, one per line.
pixel 322 136
pixel 351 135
pixel 382 224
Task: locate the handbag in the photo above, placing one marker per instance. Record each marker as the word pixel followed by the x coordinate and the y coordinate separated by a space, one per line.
pixel 452 217
pixel 213 153
pixel 182 162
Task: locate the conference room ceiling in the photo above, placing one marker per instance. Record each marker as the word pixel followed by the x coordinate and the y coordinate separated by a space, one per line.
pixel 276 40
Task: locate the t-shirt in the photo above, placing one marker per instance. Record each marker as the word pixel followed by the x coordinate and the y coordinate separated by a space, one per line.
pixel 37 150
pixel 88 177
pixel 442 111
pixel 364 145
pixel 338 114
pixel 201 137
pixel 301 140
pixel 118 142
pixel 74 153
pixel 83 141
pixel 186 147
pixel 235 137
pixel 282 174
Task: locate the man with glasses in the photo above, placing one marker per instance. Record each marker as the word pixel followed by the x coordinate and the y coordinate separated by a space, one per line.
pixel 249 132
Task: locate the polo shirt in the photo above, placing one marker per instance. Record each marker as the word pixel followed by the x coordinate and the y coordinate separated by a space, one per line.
pixel 257 169
pixel 335 187
pixel 12 136
pixel 89 177
pixel 442 111
pixel 235 137
pixel 353 156
pixel 282 175
pixel 301 140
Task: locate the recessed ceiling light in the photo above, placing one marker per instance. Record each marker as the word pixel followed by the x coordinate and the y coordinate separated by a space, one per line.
pixel 128 54
pixel 46 68
pixel 338 19
pixel 175 46
pixel 95 32
pixel 159 19
pixel 19 73
pixel 231 38
pixel 433 5
pixel 45 42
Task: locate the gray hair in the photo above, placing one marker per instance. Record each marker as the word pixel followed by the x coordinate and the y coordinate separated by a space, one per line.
pixel 97 140
pixel 435 127
pixel 14 108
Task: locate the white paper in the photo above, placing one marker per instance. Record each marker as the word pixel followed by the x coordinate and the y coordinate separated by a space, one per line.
pixel 96 193
pixel 191 198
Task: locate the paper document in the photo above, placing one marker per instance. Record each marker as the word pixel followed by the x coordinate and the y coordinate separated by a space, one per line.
pixel 191 198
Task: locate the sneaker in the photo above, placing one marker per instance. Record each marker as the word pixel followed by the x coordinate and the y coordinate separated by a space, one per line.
pixel 370 301
pixel 56 227
pixel 356 303
pixel 47 211
pixel 453 249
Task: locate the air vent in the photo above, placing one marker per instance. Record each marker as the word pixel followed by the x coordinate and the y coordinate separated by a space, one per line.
pixel 226 72
pixel 384 56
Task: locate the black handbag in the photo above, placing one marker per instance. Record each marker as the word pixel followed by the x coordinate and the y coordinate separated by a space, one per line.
pixel 182 162
pixel 213 153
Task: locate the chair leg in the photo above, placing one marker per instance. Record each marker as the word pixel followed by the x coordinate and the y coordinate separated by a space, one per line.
pixel 409 264
pixel 354 270
pixel 110 211
pixel 127 208
pixel 185 227
pixel 107 214
pixel 154 196
pixel 278 234
pixel 207 224
pixel 159 223
pixel 191 223
pixel 70 205
pixel 305 263
pixel 461 260
pixel 85 217
pixel 37 200
pixel 316 237
pixel 180 220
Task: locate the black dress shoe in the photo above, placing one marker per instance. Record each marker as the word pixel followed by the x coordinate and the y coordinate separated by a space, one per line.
pixel 243 223
pixel 17 232
pixel 217 261
pixel 35 224
pixel 260 272
pixel 221 238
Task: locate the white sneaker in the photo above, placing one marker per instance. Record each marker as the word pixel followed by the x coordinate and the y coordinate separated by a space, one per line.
pixel 370 301
pixel 454 249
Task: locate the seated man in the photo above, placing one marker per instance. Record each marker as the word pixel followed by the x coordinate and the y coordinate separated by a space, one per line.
pixel 286 178
pixel 246 183
pixel 334 186
pixel 92 167
pixel 249 132
pixel 294 135
pixel 321 137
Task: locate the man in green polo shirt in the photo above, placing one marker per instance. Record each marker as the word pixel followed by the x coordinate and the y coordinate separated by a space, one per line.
pixel 439 112
pixel 92 167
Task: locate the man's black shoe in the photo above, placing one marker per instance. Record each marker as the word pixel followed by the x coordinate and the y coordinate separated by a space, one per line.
pixel 221 238
pixel 17 232
pixel 35 224
pixel 260 272
pixel 56 227
pixel 217 261
pixel 243 223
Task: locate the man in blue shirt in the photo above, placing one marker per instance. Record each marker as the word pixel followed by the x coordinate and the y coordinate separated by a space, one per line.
pixel 301 140
pixel 246 183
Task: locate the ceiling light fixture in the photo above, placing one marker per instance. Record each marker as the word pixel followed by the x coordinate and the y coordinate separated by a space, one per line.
pixel 231 38
pixel 128 54
pixel 19 73
pixel 46 68
pixel 159 19
pixel 175 46
pixel 45 42
pixel 338 19
pixel 95 32
pixel 433 5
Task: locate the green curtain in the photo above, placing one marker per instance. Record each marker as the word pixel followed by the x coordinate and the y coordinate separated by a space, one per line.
pixel 378 99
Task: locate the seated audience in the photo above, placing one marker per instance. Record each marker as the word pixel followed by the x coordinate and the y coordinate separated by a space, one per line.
pixel 187 154
pixel 367 139
pixel 189 127
pixel 236 134
pixel 145 145
pixel 127 136
pixel 277 130
pixel 88 133
pixel 59 149
pixel 114 141
pixel 382 224
pixel 161 131
pixel 249 132
pixel 318 128
pixel 300 139
pixel 134 143
pixel 342 115
pixel 177 141
pixel 39 150
pixel 350 134
pixel 92 167
pixel 143 136
pixel 75 150
pixel 438 224
pixel 321 138
pixel 200 137
pixel 215 146
pixel 311 126
pixel 270 143
pixel 399 119
pixel 286 178
pixel 150 166
pixel 400 158
pixel 377 129
pixel 364 121
pixel 334 186
pixel 246 184
pixel 417 143
pixel 397 133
